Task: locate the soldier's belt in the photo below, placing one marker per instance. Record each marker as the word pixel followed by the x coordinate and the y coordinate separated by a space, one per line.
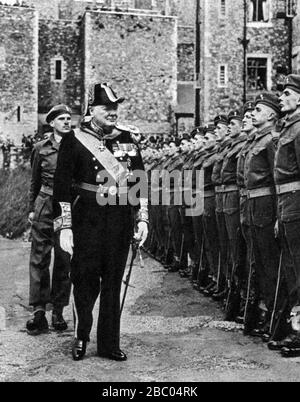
pixel 226 189
pixel 101 190
pixel 47 190
pixel 260 192
pixel 208 194
pixel 288 187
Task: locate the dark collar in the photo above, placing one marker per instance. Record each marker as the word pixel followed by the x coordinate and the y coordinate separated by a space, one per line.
pixel 263 133
pixel 289 121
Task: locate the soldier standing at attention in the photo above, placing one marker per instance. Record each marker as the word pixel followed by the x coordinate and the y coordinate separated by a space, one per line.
pixel 44 160
pixel 96 215
pixel 259 181
pixel 287 180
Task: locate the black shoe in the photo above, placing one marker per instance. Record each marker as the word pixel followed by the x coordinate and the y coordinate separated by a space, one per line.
pixel 37 325
pixel 116 355
pixel 208 292
pixel 175 267
pixel 78 349
pixel 291 341
pixel 291 352
pixel 58 322
pixel 219 296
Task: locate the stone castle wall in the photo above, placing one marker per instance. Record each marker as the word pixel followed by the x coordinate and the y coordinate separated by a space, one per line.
pixel 19 71
pixel 138 55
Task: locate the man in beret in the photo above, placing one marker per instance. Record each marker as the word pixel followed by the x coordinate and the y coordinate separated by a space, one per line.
pixel 247 285
pixel 259 182
pixel 223 141
pixel 44 161
pixel 232 216
pixel 97 213
pixel 287 180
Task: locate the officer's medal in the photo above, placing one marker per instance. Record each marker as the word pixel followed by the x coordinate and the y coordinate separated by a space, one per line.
pixel 102 146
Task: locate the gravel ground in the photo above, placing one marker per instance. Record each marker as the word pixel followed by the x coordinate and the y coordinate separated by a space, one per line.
pixel 169 332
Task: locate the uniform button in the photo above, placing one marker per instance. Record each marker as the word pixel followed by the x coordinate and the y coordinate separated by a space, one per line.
pixel 94 159
pixel 96 168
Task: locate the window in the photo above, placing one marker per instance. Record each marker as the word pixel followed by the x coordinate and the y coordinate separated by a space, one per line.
pixel 259 10
pixel 19 114
pixel 257 73
pixel 223 8
pixel 57 69
pixel 290 8
pixel 223 76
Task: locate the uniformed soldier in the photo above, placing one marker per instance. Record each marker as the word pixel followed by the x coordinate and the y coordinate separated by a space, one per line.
pixel 232 216
pixel 223 139
pixel 94 215
pixel 172 189
pixel 209 277
pixel 44 160
pixel 246 286
pixel 287 180
pixel 259 166
pixel 188 252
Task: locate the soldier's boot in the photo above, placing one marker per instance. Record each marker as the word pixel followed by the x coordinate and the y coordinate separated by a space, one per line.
pixel 58 321
pixel 175 266
pixel 232 306
pixel 168 258
pixel 251 316
pixel 38 324
pixel 240 319
pixel 286 333
pixel 222 291
pixel 206 281
pixel 263 326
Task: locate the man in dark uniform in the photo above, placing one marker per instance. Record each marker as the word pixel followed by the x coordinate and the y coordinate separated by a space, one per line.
pixel 259 166
pixel 96 215
pixel 211 249
pixel 232 216
pixel 44 160
pixel 223 139
pixel 287 180
pixel 247 299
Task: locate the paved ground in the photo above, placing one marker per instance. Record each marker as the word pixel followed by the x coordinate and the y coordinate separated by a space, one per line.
pixel 169 332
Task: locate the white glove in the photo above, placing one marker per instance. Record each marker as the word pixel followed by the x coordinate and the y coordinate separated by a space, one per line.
pixel 66 241
pixel 276 230
pixel 142 233
pixel 31 217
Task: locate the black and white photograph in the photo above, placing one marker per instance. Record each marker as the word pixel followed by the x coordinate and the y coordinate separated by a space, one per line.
pixel 149 194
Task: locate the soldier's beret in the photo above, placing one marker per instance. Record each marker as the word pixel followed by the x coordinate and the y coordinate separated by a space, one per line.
pixel 269 99
pixel 221 118
pixel 57 111
pixel 209 128
pixel 292 81
pixel 197 131
pixel 249 106
pixel 103 95
pixel 234 115
pixel 185 136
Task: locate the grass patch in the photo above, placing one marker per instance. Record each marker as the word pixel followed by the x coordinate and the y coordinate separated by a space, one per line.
pixel 14 199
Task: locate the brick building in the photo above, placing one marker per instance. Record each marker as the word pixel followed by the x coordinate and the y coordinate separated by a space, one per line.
pixel 50 51
pixel 268 55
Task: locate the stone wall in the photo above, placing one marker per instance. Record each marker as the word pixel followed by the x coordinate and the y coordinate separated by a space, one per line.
pixel 138 55
pixel 19 71
pixel 60 38
pixel 221 45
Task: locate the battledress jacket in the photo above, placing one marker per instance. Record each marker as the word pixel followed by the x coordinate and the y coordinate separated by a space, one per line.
pixel 287 169
pixel 77 165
